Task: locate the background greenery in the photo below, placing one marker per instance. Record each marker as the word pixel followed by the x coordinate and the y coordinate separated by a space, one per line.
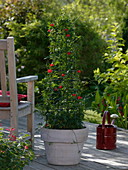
pixel 28 20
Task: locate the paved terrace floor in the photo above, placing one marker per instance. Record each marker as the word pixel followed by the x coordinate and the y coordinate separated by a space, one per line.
pixel 91 159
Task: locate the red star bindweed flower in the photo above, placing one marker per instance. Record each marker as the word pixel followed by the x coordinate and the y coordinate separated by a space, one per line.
pixel 10 130
pixel 26 147
pixel 52 25
pixel 68 53
pixel 65 29
pixel 50 71
pixel 79 71
pixel 79 97
pixel 60 87
pixel 49 30
pixel 68 35
pixel 73 94
pixel 52 65
pixel 55 89
pixel 12 138
pixel 62 75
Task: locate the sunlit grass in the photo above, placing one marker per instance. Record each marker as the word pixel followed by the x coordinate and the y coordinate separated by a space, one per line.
pixel 92 117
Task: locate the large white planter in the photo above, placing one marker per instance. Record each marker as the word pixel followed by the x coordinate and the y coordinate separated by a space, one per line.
pixel 64 147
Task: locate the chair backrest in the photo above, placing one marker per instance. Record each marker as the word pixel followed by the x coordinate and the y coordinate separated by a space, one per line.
pixel 8 71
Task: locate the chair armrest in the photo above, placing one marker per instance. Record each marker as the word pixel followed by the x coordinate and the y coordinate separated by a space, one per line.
pixel 26 79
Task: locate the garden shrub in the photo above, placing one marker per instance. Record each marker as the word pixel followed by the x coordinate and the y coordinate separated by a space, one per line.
pixel 115 81
pixel 125 32
pixel 15 152
pixel 91 48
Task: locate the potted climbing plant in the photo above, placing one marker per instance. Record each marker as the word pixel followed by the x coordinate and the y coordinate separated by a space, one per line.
pixel 64 132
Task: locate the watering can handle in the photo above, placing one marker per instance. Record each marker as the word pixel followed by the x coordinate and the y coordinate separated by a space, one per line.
pixel 106 114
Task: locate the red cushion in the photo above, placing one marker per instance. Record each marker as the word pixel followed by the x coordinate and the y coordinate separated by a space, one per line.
pixel 20 96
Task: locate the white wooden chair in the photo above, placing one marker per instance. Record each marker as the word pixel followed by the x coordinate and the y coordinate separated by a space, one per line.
pixel 16 109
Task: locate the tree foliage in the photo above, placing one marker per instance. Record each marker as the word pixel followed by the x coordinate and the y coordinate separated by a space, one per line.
pixel 27 22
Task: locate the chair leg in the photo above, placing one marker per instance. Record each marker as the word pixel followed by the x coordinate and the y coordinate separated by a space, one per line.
pixel 30 117
pixel 14 124
pixel 30 126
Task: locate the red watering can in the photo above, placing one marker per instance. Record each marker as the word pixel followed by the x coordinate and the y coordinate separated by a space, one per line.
pixel 106 134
